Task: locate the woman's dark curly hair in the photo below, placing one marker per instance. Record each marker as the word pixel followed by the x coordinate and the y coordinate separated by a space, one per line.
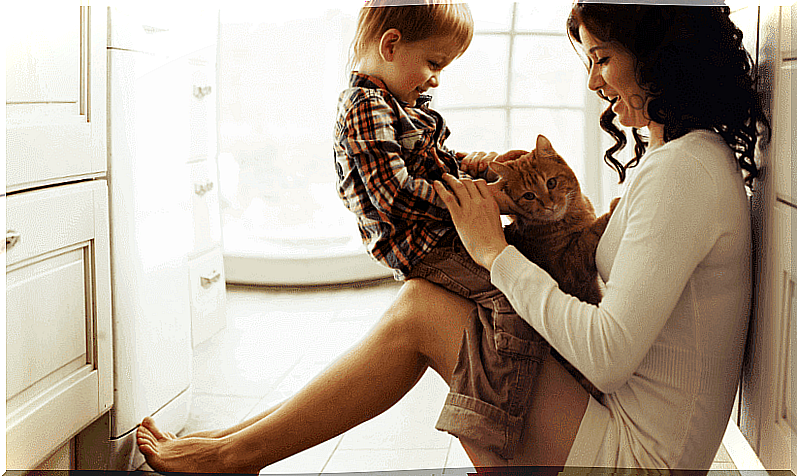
pixel 691 61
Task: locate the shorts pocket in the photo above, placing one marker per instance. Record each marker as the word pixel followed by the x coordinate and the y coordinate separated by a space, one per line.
pixel 514 337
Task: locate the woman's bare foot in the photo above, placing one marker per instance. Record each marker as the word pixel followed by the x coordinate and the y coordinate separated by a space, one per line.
pixel 165 452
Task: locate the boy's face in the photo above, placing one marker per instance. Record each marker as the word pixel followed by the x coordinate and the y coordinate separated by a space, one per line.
pixel 415 67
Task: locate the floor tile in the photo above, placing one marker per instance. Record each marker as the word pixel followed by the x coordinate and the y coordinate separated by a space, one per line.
pixel 310 461
pixel 457 462
pixel 371 461
pixel 722 455
pixel 409 424
pixel 213 412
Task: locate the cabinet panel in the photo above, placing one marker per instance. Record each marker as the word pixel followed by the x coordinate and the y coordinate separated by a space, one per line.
pixel 40 64
pixel 207 296
pixel 46 322
pixel 784 142
pixel 58 319
pixel 55 86
pixel 788 44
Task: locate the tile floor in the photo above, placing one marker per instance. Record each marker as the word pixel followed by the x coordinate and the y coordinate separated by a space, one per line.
pixel 277 339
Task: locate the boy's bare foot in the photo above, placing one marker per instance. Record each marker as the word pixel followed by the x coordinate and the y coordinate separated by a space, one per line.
pixel 165 452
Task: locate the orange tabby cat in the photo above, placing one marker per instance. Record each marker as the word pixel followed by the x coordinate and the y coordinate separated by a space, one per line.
pixel 554 224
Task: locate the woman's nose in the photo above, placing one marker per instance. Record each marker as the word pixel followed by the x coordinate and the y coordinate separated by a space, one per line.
pixel 594 81
pixel 434 81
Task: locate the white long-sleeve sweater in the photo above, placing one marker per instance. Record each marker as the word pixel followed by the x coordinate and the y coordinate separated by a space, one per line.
pixel 665 344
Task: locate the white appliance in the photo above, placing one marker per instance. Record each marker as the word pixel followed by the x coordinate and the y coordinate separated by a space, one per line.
pixel 163 219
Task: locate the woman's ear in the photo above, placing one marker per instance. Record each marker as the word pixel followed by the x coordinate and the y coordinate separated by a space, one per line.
pixel 388 42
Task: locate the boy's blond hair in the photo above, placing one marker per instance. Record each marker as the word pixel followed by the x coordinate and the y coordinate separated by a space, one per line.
pixel 415 19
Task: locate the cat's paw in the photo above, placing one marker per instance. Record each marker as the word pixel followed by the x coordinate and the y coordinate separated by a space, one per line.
pixel 613 205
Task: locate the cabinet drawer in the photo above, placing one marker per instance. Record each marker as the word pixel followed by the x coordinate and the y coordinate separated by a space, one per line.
pixel 208 296
pixel 202 109
pixel 205 205
pixel 58 319
pixel 52 219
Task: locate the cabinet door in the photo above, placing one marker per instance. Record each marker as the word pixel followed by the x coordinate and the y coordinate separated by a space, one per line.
pixel 784 142
pixel 58 318
pixel 778 433
pixel 55 93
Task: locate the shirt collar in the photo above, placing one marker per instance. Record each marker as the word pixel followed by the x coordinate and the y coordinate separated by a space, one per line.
pixel 361 80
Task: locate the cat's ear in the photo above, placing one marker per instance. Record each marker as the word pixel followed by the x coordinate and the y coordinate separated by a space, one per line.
pixel 544 145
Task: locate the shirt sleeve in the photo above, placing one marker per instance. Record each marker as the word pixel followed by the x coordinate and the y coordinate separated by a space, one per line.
pixel 371 143
pixel 671 214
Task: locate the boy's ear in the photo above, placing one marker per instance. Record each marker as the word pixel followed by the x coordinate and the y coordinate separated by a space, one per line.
pixel 387 44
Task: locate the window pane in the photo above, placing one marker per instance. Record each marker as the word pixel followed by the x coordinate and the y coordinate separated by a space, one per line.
pixel 478 77
pixel 547 71
pixel 476 129
pixel 564 128
pixel 491 16
pixel 277 112
pixel 542 16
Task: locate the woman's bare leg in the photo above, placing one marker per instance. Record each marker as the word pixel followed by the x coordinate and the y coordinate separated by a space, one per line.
pixel 422 328
pixel 221 432
pixel 558 404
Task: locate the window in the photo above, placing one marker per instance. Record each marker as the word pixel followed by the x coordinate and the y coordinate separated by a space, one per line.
pixel 278 88
pixel 519 78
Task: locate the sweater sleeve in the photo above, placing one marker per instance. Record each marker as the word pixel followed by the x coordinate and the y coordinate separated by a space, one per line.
pixel 671 211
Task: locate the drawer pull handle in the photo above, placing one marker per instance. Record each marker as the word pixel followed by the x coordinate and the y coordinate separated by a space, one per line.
pixel 201 91
pixel 203 188
pixel 12 238
pixel 210 280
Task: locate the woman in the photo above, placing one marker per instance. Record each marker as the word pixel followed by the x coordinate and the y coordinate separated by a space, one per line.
pixel 665 344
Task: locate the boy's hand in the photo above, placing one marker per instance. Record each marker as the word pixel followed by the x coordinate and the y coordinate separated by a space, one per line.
pixel 476 164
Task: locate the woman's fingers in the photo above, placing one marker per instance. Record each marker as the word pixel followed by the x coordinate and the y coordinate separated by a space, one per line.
pixel 465 188
pixel 448 198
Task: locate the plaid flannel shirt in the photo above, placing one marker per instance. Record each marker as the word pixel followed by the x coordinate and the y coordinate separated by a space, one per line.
pixel 387 154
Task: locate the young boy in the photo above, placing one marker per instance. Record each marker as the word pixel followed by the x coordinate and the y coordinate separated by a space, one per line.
pixel 389 149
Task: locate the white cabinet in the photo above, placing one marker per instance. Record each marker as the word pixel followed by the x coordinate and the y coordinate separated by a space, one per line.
pixel 59 359
pixel 769 400
pixel 58 318
pixel 55 94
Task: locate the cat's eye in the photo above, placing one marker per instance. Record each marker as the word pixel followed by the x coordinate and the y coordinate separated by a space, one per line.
pixel 551 183
pixel 529 196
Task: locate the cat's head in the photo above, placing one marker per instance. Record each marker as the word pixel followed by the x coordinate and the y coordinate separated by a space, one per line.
pixel 540 183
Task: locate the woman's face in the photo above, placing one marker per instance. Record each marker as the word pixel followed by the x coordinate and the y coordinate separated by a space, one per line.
pixel 611 74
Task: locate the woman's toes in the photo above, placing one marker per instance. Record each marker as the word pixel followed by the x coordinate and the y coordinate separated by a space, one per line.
pixel 149 424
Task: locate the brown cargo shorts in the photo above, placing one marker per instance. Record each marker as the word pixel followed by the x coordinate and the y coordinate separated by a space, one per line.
pixel 499 358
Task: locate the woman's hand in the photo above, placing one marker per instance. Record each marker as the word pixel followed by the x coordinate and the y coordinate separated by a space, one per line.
pixel 476 216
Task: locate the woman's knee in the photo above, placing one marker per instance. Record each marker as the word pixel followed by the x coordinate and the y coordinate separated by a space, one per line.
pixel 430 319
